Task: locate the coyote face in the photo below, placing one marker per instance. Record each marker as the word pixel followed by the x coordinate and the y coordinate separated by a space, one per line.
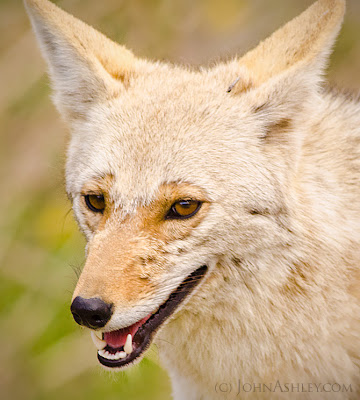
pixel 150 205
pixel 220 204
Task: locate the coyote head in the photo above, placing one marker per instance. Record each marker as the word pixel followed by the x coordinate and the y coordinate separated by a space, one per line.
pixel 172 171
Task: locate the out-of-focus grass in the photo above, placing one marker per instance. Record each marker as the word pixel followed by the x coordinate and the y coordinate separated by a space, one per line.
pixel 44 354
pixel 47 355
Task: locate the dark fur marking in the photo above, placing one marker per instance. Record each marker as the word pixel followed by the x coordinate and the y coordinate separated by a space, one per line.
pixel 237 261
pixel 297 280
pixel 273 131
pixel 261 107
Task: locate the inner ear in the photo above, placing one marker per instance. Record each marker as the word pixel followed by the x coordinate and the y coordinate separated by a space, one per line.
pixel 85 66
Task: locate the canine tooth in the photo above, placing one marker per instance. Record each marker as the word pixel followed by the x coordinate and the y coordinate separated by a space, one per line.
pixel 99 344
pixel 128 344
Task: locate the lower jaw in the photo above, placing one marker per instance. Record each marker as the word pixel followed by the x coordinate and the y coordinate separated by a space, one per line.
pixel 134 357
pixel 144 336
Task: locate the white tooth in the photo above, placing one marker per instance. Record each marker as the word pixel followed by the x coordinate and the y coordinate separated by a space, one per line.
pixel 102 353
pixel 99 344
pixel 128 344
pixel 121 354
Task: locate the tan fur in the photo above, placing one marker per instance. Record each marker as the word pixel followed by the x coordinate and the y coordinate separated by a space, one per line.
pixel 125 261
pixel 276 160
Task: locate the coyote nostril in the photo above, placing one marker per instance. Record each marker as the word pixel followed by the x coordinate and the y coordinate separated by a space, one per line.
pixel 77 318
pixel 93 313
pixel 96 318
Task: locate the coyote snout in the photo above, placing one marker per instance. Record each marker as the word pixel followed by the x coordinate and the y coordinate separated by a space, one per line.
pixel 132 281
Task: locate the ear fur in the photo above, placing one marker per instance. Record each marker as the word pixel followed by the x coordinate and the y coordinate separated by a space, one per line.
pixel 284 72
pixel 306 41
pixel 85 66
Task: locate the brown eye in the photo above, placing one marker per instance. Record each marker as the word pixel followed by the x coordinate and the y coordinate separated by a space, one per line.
pixel 95 203
pixel 183 209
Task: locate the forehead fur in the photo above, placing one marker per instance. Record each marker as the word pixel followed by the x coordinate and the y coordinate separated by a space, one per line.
pixel 171 125
pixel 150 123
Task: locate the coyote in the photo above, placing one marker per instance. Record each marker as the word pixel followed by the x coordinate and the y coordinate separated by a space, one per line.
pixel 221 208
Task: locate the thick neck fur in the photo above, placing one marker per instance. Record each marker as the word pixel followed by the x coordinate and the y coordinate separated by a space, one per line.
pixel 280 309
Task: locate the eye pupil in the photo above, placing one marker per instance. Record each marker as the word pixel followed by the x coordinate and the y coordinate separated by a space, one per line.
pixel 183 209
pixel 95 203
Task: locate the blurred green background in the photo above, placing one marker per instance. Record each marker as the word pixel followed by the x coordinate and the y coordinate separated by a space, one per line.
pixel 45 355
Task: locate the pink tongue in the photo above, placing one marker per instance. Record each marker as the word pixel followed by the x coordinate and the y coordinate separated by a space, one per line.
pixel 117 338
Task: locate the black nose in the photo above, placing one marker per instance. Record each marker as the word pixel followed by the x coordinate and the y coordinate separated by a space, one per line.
pixel 93 313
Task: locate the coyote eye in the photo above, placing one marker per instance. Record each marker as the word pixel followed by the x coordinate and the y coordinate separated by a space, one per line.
pixel 95 203
pixel 183 209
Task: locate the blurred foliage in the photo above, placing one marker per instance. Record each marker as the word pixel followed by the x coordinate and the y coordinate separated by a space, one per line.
pixel 44 354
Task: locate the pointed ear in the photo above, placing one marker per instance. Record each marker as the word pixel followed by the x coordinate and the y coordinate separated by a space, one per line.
pixel 85 66
pixel 305 41
pixel 281 77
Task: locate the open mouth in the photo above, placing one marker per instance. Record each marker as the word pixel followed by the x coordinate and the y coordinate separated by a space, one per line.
pixel 122 347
